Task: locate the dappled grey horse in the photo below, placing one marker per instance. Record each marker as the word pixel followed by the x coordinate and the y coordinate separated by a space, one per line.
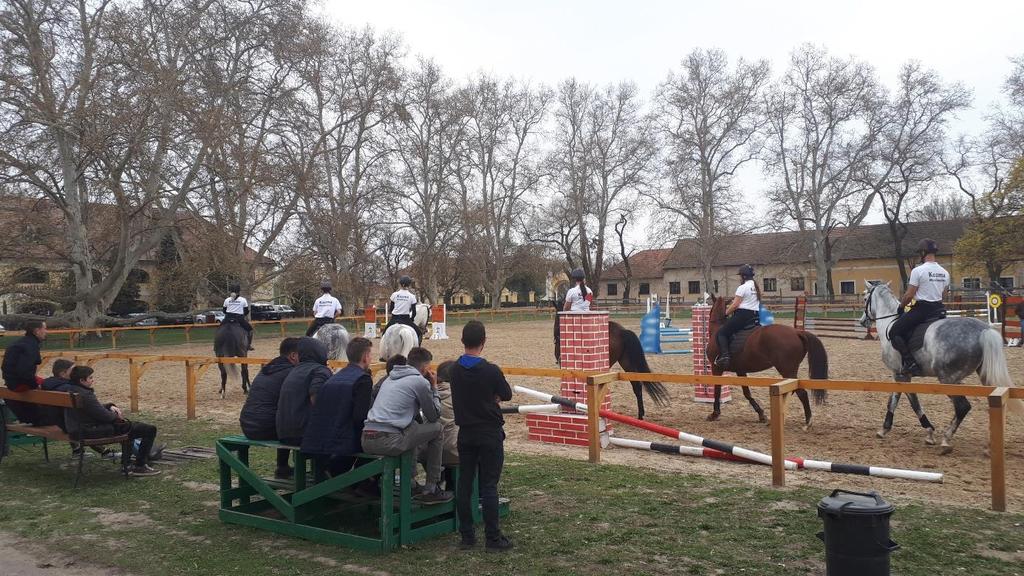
pixel 335 337
pixel 231 341
pixel 953 349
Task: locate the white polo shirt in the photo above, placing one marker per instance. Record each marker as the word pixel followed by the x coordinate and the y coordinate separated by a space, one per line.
pixel 931 281
pixel 404 301
pixel 748 292
pixel 579 303
pixel 236 306
pixel 326 306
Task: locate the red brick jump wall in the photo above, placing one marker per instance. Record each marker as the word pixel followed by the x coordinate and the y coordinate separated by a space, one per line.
pixel 584 346
pixel 701 365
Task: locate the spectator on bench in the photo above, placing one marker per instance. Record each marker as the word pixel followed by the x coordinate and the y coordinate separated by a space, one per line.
pixel 95 420
pixel 391 427
pixel 258 418
pixel 299 389
pixel 396 360
pixel 59 382
pixel 339 410
pixel 450 454
pixel 21 360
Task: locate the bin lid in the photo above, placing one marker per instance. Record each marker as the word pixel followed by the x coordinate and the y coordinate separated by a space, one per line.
pixel 846 503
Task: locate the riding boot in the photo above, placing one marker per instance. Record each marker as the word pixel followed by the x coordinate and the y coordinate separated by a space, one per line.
pixel 723 360
pixel 910 366
pixel 250 342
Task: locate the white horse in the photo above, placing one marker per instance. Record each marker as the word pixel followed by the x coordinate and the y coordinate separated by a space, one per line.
pixel 400 338
pixel 335 337
pixel 953 349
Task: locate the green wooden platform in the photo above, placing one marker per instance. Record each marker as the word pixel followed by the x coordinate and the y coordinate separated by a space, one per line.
pixel 325 511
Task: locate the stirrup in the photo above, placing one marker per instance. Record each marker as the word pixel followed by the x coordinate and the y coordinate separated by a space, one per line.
pixel 723 361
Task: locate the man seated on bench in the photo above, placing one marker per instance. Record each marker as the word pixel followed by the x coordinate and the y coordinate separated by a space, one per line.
pixel 95 420
pixel 298 390
pixel 258 418
pixel 21 359
pixel 339 409
pixel 450 455
pixel 391 427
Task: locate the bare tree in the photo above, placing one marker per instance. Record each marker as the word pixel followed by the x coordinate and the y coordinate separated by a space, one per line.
pixel 941 208
pixel 904 162
pixel 823 123
pixel 620 233
pixel 710 120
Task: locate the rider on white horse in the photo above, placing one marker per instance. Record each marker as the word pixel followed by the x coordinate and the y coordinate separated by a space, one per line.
pixel 928 282
pixel 403 307
pixel 236 308
pixel 325 309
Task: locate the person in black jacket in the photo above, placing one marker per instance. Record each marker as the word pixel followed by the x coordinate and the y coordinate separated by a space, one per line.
pixel 299 389
pixel 339 410
pixel 21 359
pixel 59 382
pixel 95 420
pixel 258 418
pixel 477 387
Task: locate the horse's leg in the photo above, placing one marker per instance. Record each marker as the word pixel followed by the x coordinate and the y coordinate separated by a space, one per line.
pixel 922 418
pixel 245 378
pixel 802 395
pixel 890 411
pixel 717 411
pixel 223 379
pixel 638 390
pixel 753 403
pixel 961 407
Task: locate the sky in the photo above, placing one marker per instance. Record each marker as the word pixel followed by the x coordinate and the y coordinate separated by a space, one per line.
pixel 603 41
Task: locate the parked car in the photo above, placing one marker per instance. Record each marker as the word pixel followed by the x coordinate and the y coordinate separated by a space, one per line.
pixel 285 310
pixel 145 322
pixel 217 314
pixel 263 311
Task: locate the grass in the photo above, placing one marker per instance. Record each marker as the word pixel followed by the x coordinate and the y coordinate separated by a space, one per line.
pixel 568 517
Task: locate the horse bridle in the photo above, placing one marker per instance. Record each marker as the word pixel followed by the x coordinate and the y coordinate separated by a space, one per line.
pixel 867 303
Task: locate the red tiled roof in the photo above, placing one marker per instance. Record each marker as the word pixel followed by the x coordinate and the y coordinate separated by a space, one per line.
pixel 644 264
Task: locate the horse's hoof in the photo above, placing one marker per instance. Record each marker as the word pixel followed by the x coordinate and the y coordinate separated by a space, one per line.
pixel 761 418
pixel 714 416
pixel 929 439
pixel 883 432
pixel 946 449
pixel 807 425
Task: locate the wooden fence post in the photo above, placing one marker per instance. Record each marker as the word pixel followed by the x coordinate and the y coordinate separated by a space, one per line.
pixel 997 445
pixel 133 384
pixel 113 339
pixel 779 393
pixel 152 332
pixel 597 388
pixel 191 377
pixel 188 335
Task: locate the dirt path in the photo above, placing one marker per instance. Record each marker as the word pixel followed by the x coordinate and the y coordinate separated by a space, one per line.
pixel 844 429
pixel 22 557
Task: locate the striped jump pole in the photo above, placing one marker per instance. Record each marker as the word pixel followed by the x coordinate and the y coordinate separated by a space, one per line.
pixel 743 453
pixel 530 408
pixel 675 449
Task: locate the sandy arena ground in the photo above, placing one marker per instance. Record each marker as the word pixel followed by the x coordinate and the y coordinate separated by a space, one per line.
pixel 843 430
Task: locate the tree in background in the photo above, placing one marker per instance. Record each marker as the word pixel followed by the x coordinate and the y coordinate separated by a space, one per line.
pixel 993 244
pixel 824 119
pixel 709 119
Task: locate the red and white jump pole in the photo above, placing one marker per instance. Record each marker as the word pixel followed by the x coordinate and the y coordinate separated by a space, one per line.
pixel 674 449
pixel 743 453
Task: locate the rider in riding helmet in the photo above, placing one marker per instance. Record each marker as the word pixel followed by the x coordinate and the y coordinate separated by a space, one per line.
pixel 325 309
pixel 928 282
pixel 744 310
pixel 578 297
pixel 403 307
pixel 236 308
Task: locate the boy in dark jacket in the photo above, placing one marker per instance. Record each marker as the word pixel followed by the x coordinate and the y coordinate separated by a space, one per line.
pixel 59 382
pixel 299 388
pixel 259 413
pixel 477 387
pixel 339 409
pixel 21 359
pixel 95 420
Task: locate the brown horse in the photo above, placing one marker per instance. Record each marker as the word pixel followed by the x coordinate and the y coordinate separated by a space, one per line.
pixel 624 348
pixel 776 346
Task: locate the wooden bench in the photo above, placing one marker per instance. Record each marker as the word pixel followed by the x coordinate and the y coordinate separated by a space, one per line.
pixel 14 433
pixel 326 511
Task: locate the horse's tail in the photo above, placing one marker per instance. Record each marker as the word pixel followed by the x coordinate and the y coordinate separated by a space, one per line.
pixel 633 353
pixel 817 362
pixel 993 369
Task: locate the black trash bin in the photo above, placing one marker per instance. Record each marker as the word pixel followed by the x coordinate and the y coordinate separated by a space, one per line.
pixel 856 533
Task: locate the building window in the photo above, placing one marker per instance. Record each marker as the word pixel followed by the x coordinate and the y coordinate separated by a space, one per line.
pixel 693 287
pixel 30 276
pixel 796 284
pixel 1006 281
pixel 972 283
pixel 675 288
pixel 613 289
pixel 848 287
pixel 645 288
pixel 769 284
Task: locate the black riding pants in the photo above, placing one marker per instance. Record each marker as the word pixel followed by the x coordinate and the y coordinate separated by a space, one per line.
pixel 740 319
pixel 903 328
pixel 408 321
pixel 317 324
pixel 240 319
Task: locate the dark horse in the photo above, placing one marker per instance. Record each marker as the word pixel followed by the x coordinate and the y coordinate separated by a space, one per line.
pixel 231 341
pixel 624 347
pixel 778 346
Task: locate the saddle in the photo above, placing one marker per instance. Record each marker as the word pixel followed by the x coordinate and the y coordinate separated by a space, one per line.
pixel 916 340
pixel 740 338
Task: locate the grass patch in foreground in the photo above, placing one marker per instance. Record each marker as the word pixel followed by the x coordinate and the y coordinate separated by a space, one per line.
pixel 568 517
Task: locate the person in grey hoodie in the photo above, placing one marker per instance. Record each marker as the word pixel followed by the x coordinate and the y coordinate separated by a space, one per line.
pixel 298 391
pixel 391 428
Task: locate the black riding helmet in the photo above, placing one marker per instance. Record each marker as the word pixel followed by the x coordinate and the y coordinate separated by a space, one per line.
pixel 405 281
pixel 326 286
pixel 928 246
pixel 578 274
pixel 746 271
pixel 234 288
